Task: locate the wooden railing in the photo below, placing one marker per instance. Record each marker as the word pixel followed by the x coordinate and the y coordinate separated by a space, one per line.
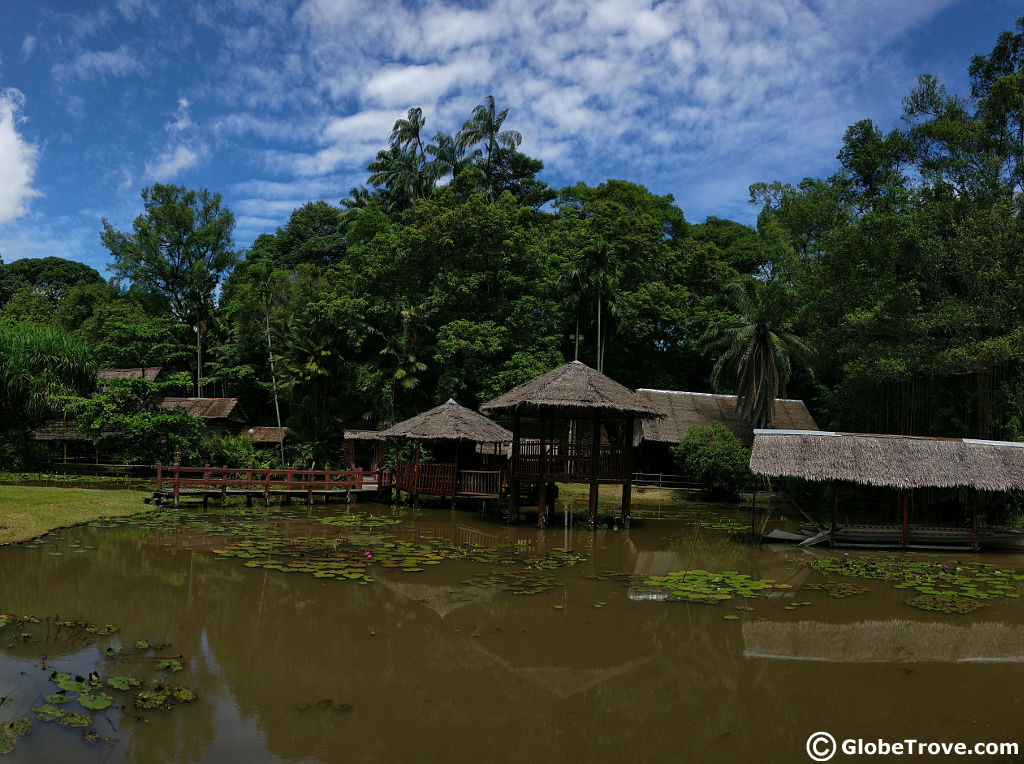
pixel 177 479
pixel 439 478
pixel 480 482
pixel 570 461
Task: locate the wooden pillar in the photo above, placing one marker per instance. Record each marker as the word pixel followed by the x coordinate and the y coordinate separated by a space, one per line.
pixel 223 483
pixel 906 519
pixel 627 487
pixel 542 465
pixel 416 477
pixel 513 473
pixel 753 511
pixel 835 515
pixel 595 462
pixel 455 478
pixel 974 518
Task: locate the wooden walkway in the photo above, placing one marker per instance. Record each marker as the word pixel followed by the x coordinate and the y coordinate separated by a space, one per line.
pixel 174 482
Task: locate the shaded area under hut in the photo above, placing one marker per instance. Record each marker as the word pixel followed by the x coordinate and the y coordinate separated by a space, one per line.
pixel 467 452
pixel 903 467
pixel 571 425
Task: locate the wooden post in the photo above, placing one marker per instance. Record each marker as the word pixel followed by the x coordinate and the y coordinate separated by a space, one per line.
pixel 223 483
pixel 416 478
pixel 974 518
pixel 513 473
pixel 627 487
pixel 595 460
pixel 542 465
pixel 159 477
pixel 455 477
pixel 906 520
pixel 176 469
pixel 835 515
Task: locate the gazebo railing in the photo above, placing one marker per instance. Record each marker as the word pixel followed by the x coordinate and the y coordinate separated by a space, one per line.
pixel 480 482
pixel 571 461
pixel 439 478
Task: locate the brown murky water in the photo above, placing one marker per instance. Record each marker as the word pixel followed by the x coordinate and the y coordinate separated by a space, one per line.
pixel 437 671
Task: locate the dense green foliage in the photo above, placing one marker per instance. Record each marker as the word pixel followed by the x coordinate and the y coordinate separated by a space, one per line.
pixel 712 455
pixel 459 273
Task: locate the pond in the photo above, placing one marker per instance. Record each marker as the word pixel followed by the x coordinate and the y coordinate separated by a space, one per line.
pixel 439 636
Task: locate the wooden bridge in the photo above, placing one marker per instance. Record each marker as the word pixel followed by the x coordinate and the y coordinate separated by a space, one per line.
pixel 173 482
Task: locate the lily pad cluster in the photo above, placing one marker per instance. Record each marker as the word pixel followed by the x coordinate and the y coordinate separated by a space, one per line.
pixel 526 582
pixel 945 585
pixel 352 557
pixel 839 589
pixel 11 731
pixel 707 587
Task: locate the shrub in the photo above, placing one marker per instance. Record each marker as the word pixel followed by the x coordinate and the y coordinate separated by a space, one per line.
pixel 711 454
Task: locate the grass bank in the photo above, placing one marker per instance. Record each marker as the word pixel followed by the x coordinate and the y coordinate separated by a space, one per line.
pixel 29 511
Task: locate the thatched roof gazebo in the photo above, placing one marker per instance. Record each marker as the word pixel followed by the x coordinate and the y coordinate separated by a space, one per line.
pixel 452 425
pixel 899 462
pixel 552 409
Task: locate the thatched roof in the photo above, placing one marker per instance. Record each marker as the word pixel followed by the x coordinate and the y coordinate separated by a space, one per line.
pixel 207 408
pixel 681 410
pixel 266 434
pixel 449 421
pixel 572 386
pixel 362 435
pixel 59 430
pixel 148 373
pixel 890 461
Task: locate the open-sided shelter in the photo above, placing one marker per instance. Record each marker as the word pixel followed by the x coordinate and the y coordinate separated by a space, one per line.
pixel 459 469
pixel 572 425
pixel 899 462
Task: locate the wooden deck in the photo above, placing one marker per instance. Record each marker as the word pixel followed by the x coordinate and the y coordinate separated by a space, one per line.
pixel 173 482
pixel 444 479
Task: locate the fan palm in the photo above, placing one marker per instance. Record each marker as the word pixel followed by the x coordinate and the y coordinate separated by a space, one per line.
pixel 448 157
pixel 758 348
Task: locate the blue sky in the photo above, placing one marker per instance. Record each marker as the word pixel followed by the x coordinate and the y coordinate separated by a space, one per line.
pixel 275 103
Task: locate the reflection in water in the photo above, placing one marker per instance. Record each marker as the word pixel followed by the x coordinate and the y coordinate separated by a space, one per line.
pixel 435 670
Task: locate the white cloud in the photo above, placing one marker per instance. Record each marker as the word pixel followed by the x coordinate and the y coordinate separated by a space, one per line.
pixel 28 45
pixel 18 159
pixel 182 120
pixel 116 63
pixel 173 161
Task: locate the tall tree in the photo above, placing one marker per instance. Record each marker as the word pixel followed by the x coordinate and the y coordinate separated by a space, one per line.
pixel 180 248
pixel 484 127
pixel 759 346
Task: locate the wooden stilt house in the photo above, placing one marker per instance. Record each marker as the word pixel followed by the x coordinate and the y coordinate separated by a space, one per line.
pixel 572 425
pixel 460 468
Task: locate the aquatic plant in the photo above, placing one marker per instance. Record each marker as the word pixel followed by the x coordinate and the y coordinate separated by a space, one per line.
pixel 705 587
pixel 517 583
pixel 932 577
pixel 11 731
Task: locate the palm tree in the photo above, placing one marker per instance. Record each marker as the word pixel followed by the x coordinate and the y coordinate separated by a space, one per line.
pixel 595 277
pixel 397 170
pixel 758 346
pixel 485 127
pixel 448 157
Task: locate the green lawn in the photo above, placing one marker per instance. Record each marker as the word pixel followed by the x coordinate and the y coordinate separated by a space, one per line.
pixel 27 512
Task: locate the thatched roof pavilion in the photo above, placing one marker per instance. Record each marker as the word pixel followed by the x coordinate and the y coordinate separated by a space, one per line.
pixel 899 462
pixel 454 425
pixel 449 421
pixel 572 386
pixel 889 461
pixel 580 397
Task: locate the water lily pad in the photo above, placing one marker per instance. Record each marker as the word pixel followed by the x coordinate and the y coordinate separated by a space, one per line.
pixel 122 682
pixel 95 701
pixel 169 665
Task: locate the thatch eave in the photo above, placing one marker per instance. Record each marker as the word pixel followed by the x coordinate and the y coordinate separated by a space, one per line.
pixel 449 421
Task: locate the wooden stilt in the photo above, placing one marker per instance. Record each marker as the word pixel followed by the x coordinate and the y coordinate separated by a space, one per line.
pixel 906 519
pixel 455 478
pixel 974 519
pixel 542 484
pixel 835 515
pixel 513 474
pixel 595 461
pixel 627 487
pixel 415 495
pixel 753 512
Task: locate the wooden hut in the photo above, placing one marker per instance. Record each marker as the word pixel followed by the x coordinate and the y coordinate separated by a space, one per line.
pixel 221 416
pixel 681 410
pixel 572 425
pixel 459 469
pixel 148 373
pixel 899 462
